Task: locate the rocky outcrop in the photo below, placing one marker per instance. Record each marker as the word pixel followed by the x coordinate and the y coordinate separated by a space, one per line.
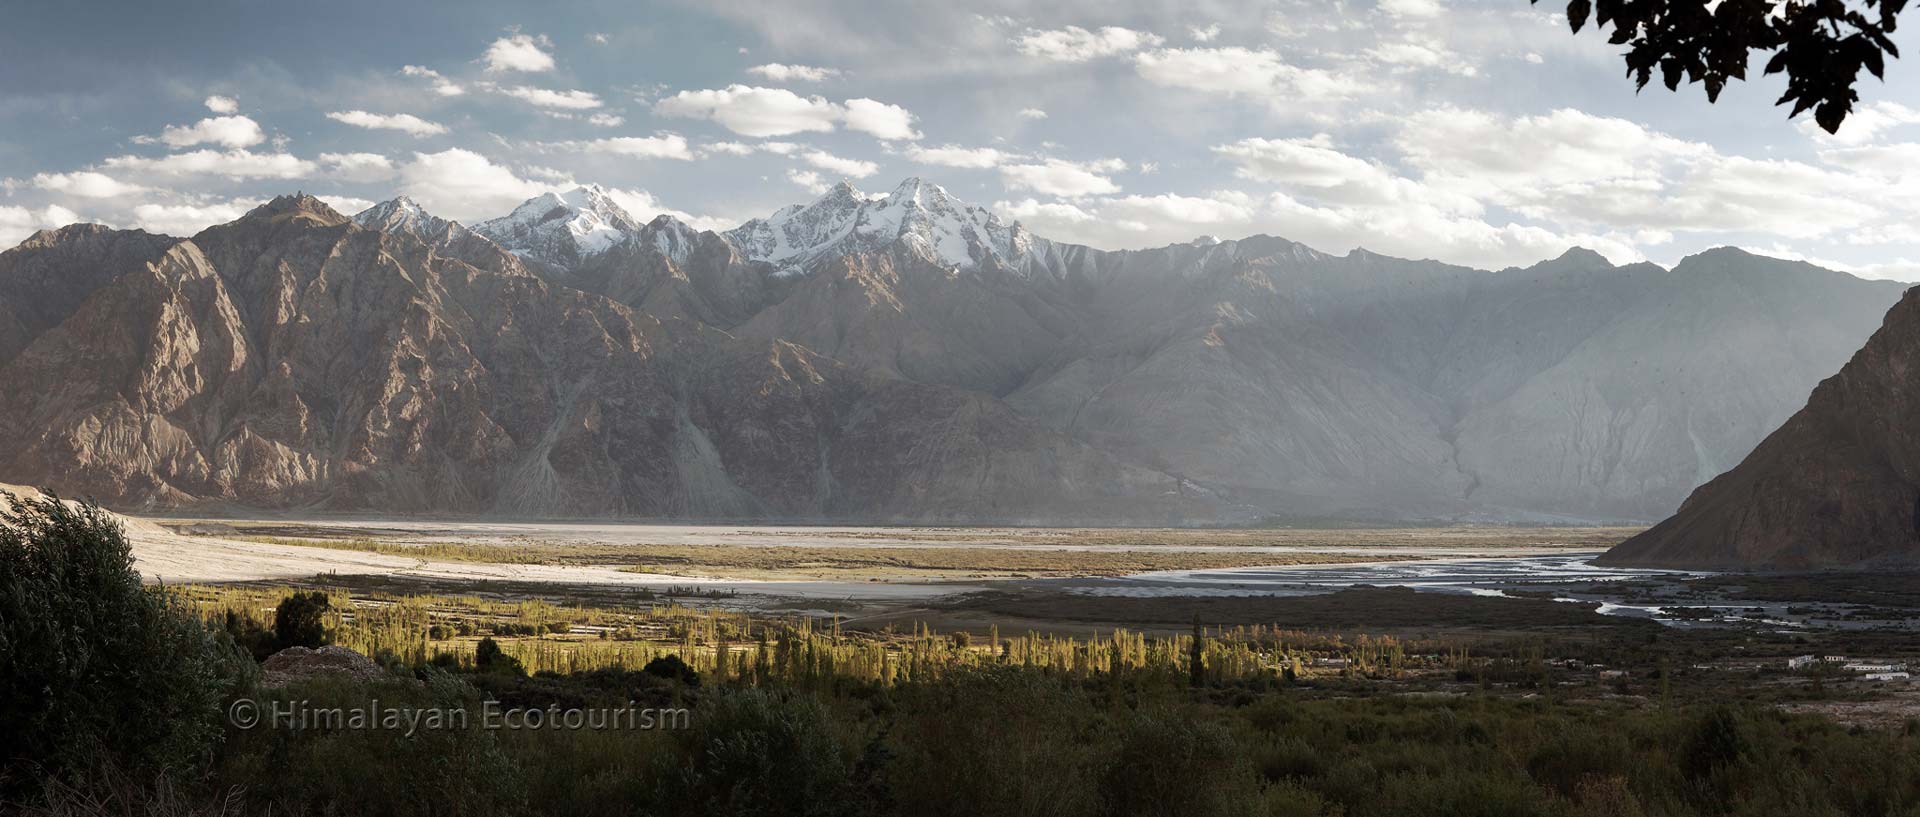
pixel 295 664
pixel 1837 485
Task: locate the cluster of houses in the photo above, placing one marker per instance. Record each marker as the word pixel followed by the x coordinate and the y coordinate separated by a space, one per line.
pixel 1868 669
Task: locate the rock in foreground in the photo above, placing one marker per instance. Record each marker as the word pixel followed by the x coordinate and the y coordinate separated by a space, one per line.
pixel 300 663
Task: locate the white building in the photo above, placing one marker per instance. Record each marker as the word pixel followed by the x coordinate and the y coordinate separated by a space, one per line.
pixel 1862 666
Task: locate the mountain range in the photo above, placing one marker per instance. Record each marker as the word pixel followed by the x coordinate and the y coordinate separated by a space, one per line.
pixel 897 357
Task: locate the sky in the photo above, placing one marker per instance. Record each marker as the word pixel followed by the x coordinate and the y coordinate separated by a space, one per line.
pixel 1478 133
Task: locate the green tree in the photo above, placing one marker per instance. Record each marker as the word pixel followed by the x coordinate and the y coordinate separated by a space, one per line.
pixel 301 621
pixel 94 667
pixel 1820 45
pixel 488 657
pixel 1196 652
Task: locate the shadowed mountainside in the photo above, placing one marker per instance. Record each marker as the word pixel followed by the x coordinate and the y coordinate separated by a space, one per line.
pixel 1837 485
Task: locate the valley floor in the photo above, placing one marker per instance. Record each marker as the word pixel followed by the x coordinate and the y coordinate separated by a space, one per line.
pixel 783 564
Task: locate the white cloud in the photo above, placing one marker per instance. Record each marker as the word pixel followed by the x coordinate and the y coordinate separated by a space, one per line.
pixel 1076 44
pixel 464 185
pixel 85 184
pixel 226 131
pixel 809 180
pixel 752 111
pixel 644 206
pixel 404 122
pixel 606 120
pixel 1421 53
pixel 884 121
pixel 186 219
pixel 1031 113
pixel 760 112
pixel 1571 167
pixel 1411 8
pixel 1314 166
pixel 1234 71
pixel 660 146
pixel 1224 208
pixel 358 167
pixel 1057 177
pixel 1866 124
pixel 346 205
pixel 778 72
pixel 1204 34
pixel 852 168
pixel 1894 269
pixel 955 156
pixel 1042 215
pixel 222 104
pixel 729 148
pixel 546 98
pixel 750 148
pixel 441 85
pixel 519 52
pixel 235 164
pixel 19 223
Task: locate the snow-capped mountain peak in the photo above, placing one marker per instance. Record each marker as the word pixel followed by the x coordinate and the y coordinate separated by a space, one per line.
pixel 923 217
pixel 403 215
pixel 562 228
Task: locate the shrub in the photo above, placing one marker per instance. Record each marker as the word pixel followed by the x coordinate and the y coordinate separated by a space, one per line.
pixel 755 753
pixel 996 741
pixel 248 635
pixel 672 668
pixel 95 668
pixel 488 657
pixel 449 768
pixel 301 621
pixel 1170 765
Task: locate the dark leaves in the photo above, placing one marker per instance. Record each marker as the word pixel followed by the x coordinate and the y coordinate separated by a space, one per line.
pixel 1577 11
pixel 1820 45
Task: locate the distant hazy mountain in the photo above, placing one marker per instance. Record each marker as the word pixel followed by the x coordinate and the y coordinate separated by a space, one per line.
pixel 905 356
pixel 1837 485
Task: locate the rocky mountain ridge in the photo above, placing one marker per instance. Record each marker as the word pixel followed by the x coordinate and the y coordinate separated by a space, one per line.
pixel 1237 379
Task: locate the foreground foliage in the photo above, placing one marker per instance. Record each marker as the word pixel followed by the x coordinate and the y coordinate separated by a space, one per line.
pixel 92 664
pixel 115 693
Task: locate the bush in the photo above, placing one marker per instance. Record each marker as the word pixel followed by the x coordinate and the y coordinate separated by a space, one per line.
pixel 453 768
pixel 95 668
pixel 672 668
pixel 1170 765
pixel 755 753
pixel 996 741
pixel 301 621
pixel 488 657
pixel 249 636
